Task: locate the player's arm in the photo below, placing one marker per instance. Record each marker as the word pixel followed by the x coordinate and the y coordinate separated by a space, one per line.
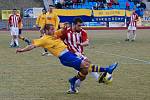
pixel 57 20
pixel 42 26
pixel 9 23
pixel 84 38
pixel 37 21
pixel 137 19
pixel 85 43
pixel 27 48
pixel 35 43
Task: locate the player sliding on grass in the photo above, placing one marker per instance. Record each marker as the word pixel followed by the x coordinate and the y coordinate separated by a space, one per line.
pixel 67 58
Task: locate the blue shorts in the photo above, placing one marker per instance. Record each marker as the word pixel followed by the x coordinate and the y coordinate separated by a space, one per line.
pixel 71 60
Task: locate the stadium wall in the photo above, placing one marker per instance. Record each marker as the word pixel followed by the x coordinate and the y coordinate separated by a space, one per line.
pixel 93 19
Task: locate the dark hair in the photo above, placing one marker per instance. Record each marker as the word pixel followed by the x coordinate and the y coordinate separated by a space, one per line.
pixel 14 9
pixel 66 23
pixel 76 20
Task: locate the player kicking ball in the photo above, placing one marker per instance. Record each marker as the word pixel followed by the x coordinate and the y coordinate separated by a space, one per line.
pixel 67 58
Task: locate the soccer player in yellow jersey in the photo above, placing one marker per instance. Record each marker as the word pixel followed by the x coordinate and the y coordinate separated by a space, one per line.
pixel 40 21
pixel 52 17
pixel 67 58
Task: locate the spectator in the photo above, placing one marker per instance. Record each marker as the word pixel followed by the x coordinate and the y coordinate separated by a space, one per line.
pixel 58 4
pixel 68 3
pixel 138 5
pixel 115 2
pixel 109 3
pixel 143 5
pixel 127 5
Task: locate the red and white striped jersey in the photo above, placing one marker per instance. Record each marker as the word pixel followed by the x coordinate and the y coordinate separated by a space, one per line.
pixel 14 20
pixel 71 39
pixel 133 19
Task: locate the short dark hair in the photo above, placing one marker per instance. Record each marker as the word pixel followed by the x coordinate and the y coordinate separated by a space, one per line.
pixel 14 9
pixel 76 20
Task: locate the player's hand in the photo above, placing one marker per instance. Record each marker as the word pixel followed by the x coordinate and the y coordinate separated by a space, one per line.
pixel 18 50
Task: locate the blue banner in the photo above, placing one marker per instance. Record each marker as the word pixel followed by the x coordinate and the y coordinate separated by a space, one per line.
pixel 110 19
pixel 70 18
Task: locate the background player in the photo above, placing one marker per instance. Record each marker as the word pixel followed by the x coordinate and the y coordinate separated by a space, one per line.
pixel 51 18
pixel 13 23
pixel 40 21
pixel 67 58
pixel 131 35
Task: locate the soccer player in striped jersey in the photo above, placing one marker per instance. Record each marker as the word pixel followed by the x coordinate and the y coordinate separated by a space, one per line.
pixel 131 35
pixel 76 39
pixel 13 23
pixel 67 58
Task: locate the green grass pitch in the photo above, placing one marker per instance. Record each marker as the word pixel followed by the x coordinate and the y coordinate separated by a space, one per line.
pixel 30 76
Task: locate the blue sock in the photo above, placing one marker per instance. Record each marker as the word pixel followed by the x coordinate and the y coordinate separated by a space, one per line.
pixel 102 69
pixel 74 78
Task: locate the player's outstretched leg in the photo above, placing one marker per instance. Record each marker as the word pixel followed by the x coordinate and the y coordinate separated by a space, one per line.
pixel 112 67
pixel 97 68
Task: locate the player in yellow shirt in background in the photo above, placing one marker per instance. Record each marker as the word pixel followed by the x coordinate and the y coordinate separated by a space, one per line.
pixel 40 21
pixel 51 18
pixel 67 58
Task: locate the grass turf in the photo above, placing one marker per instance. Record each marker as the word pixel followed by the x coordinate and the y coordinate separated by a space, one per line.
pixel 30 76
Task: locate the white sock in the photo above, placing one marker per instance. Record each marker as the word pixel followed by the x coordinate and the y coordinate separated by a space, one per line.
pixel 78 83
pixel 16 41
pixel 12 42
pixel 128 35
pixel 134 36
pixel 95 75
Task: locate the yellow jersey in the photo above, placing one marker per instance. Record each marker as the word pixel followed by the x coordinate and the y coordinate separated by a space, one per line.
pixel 40 21
pixel 52 18
pixel 53 45
pixel 20 25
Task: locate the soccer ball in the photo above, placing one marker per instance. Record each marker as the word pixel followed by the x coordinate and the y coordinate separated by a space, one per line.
pixel 105 78
pixel 108 78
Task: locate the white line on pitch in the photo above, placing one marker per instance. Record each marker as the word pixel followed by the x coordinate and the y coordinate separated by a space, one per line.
pixel 140 60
